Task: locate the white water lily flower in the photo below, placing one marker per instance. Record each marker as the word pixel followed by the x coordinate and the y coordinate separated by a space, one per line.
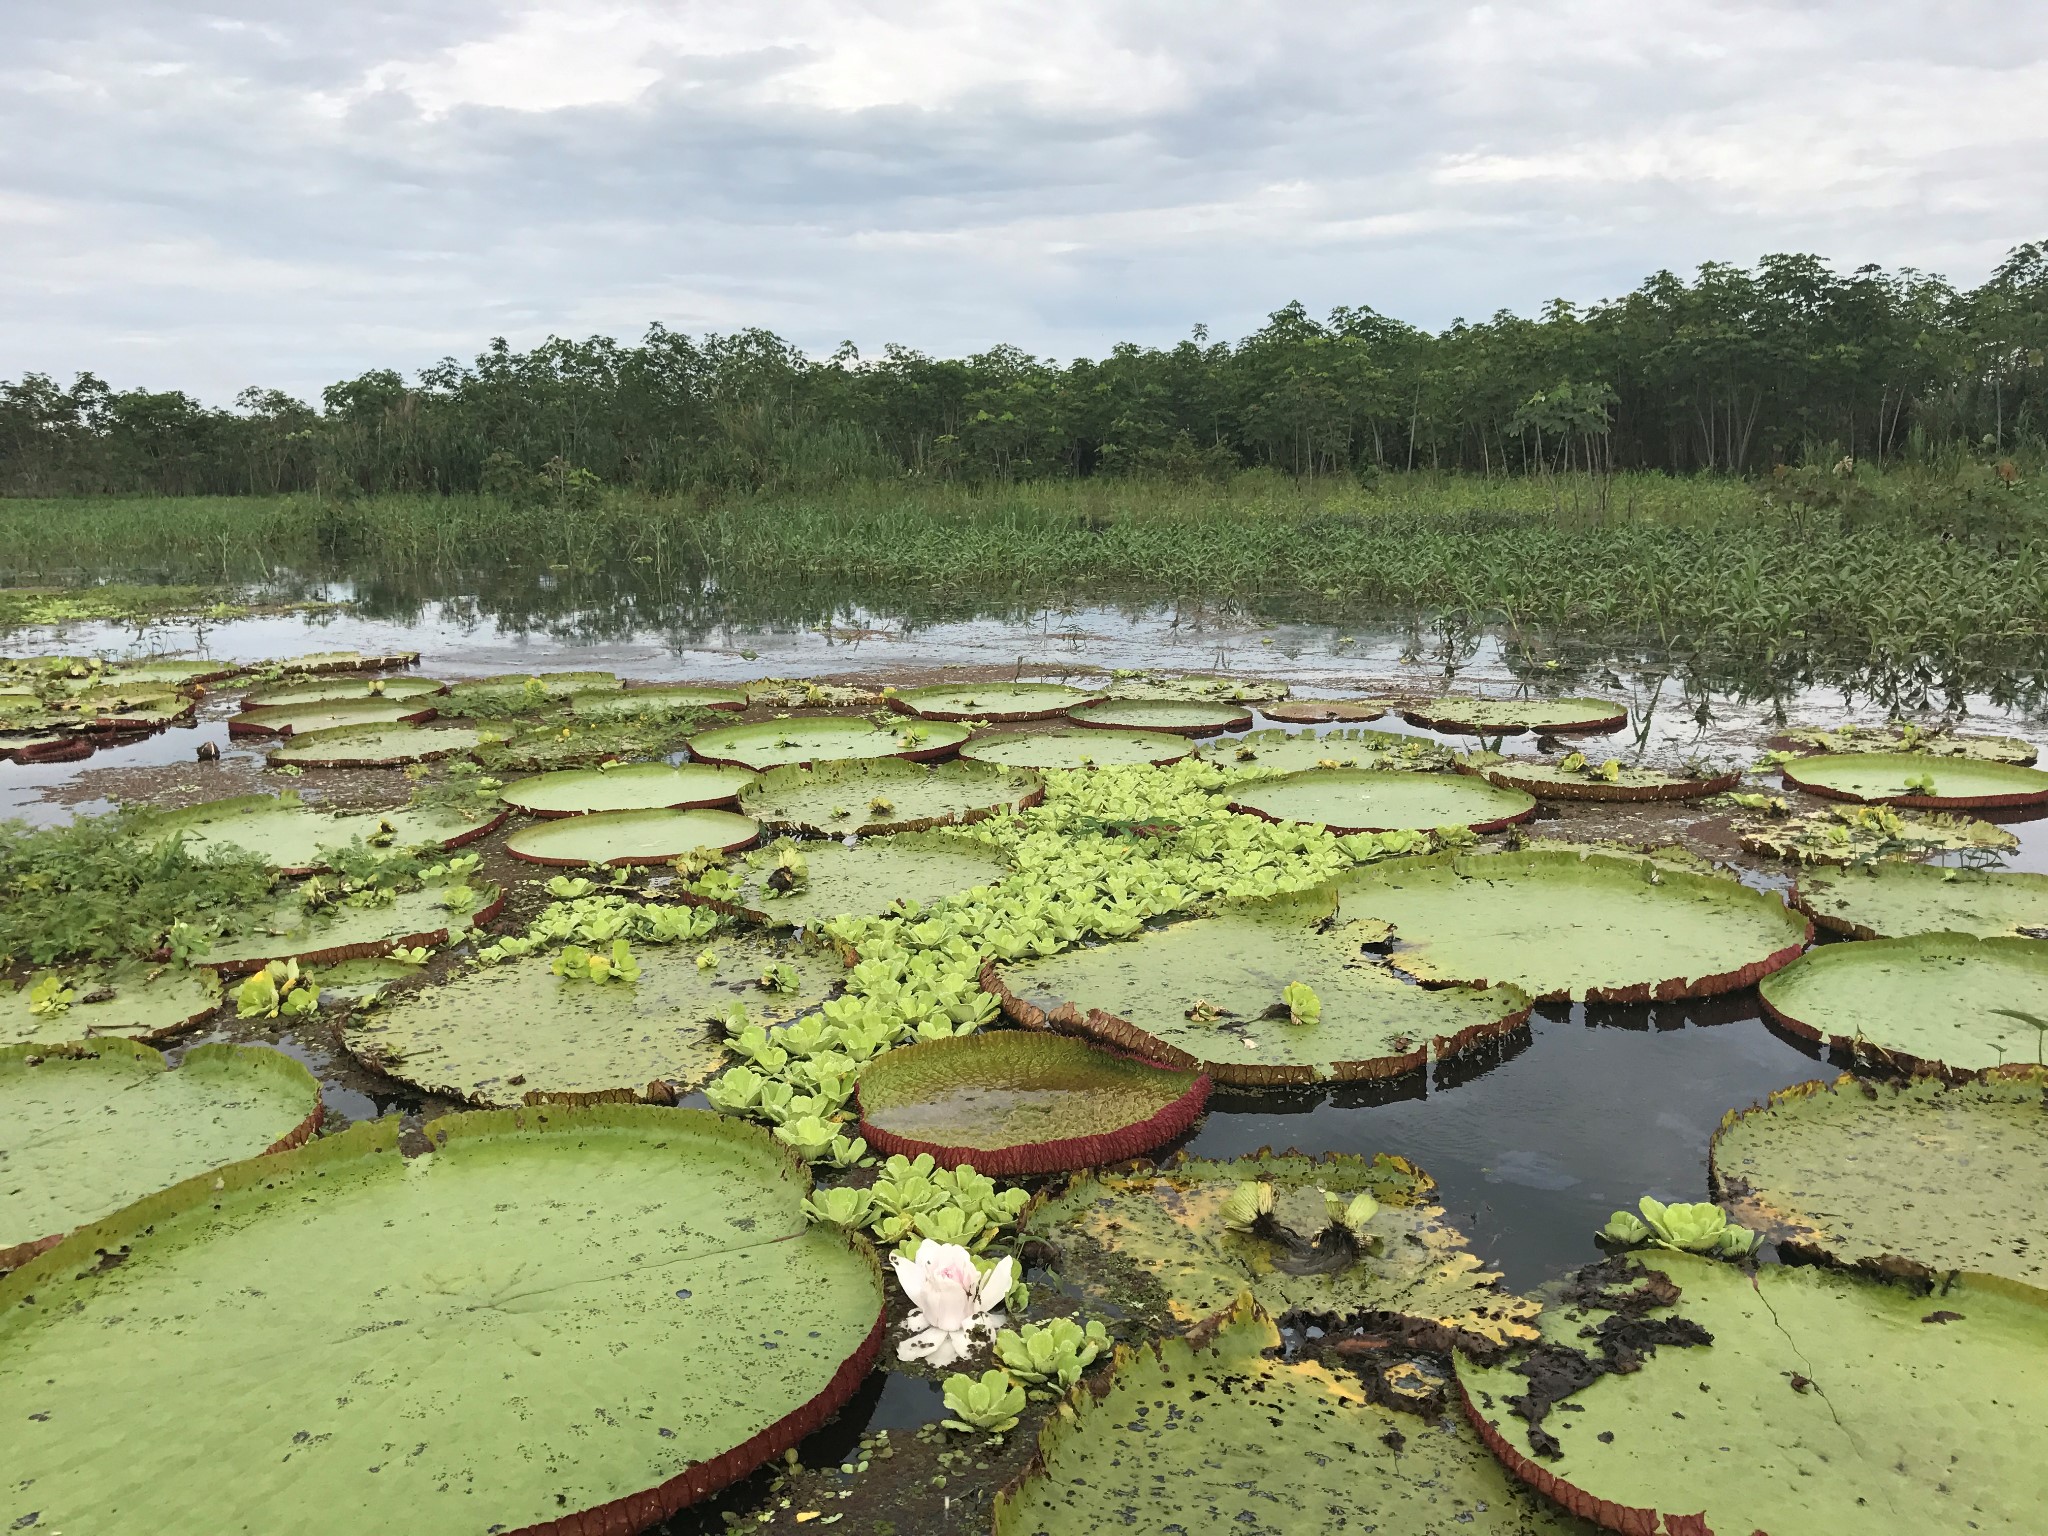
pixel 952 1301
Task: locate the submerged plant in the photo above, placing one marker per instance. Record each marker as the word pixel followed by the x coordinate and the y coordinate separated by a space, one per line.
pixel 953 1303
pixel 989 1405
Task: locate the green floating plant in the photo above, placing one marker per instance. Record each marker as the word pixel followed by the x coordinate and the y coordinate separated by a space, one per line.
pixel 576 963
pixel 276 991
pixel 1303 1006
pixel 50 997
pixel 1700 1227
pixel 986 1406
pixel 1050 1357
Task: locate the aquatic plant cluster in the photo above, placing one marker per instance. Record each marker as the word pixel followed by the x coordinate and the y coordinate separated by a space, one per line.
pixel 941 1070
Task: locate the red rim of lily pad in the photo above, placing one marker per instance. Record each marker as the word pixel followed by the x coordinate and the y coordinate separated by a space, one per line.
pixel 1432 716
pixel 67 749
pixel 1060 1155
pixel 1325 711
pixel 1504 775
pixel 2016 799
pixel 113 720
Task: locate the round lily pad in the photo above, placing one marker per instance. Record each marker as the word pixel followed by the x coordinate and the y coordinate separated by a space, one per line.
pixel 303 719
pixel 1325 711
pixel 431 916
pixel 122 711
pixel 1907 778
pixel 1843 834
pixel 1277 752
pixel 1157 1245
pixel 1196 1432
pixel 1917 1180
pixel 1207 993
pixel 1891 900
pixel 46 747
pixel 296 838
pixel 349 661
pixel 658 696
pixel 553 1320
pixel 1511 717
pixel 86 1128
pixel 882 795
pixel 1076 748
pixel 133 1000
pixel 1566 925
pixel 875 876
pixel 1229 690
pixel 1936 1002
pixel 1011 1103
pixel 1689 1395
pixel 336 690
pixel 1370 800
pixel 1182 717
pixel 1901 737
pixel 354 982
pixel 171 672
pixel 991 701
pixel 1553 781
pixel 516 1032
pixel 630 787
pixel 372 746
pixel 801 739
pixel 629 837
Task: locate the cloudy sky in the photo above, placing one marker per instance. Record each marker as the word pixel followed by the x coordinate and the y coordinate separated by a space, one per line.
pixel 205 194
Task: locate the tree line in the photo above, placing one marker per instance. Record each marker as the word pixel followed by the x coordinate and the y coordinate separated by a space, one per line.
pixel 1738 370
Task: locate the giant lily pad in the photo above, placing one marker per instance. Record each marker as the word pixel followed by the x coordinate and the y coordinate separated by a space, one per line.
pixel 629 837
pixel 874 876
pixel 1206 993
pixel 132 1000
pixel 109 710
pixel 296 838
pixel 333 714
pixel 1851 834
pixel 1156 1245
pixel 1076 748
pixel 1822 1400
pixel 1183 717
pixel 334 690
pixel 1893 900
pixel 1370 800
pixel 1511 717
pixel 1596 781
pixel 1907 778
pixel 502 1033
pixel 1902 737
pixel 991 701
pixel 1011 1103
pixel 438 914
pixel 1559 924
pixel 1228 690
pixel 1935 1002
pixel 1326 711
pixel 658 696
pixel 169 672
pixel 1219 1432
pixel 553 1320
pixel 1917 1179
pixel 1278 752
pixel 803 739
pixel 629 787
pixel 348 661
pixel 883 795
pixel 372 746
pixel 86 1128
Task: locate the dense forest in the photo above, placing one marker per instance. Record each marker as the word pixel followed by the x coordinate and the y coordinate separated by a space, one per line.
pixel 1737 370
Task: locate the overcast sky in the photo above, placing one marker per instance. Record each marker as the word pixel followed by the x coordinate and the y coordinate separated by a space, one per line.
pixel 205 196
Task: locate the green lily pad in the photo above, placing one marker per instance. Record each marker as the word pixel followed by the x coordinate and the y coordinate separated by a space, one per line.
pixel 629 837
pixel 1228 690
pixel 295 838
pixel 1909 779
pixel 124 711
pixel 1855 834
pixel 1934 1002
pixel 1564 925
pixel 169 671
pixel 86 1128
pixel 802 739
pixel 658 696
pixel 1010 1103
pixel 1371 800
pixel 1553 781
pixel 1183 717
pixel 45 746
pixel 875 876
pixel 337 690
pixel 355 982
pixel 435 915
pixel 1901 737
pixel 501 1033
pixel 372 746
pixel 1822 1400
pixel 1326 711
pixel 554 1319
pixel 348 661
pixel 1194 1431
pixel 629 787
pixel 883 795
pixel 334 714
pixel 1076 748
pixel 1919 1179
pixel 1278 752
pixel 991 701
pixel 1156 1245
pixel 1511 717
pixel 1146 994
pixel 1896 900
pixel 132 1000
